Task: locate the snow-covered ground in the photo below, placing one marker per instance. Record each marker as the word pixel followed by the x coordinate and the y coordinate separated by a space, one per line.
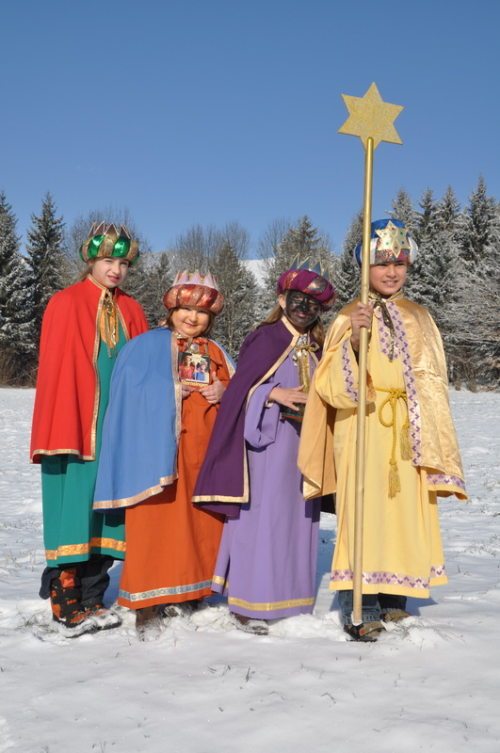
pixel 205 687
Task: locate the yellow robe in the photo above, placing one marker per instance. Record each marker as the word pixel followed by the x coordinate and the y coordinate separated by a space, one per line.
pixel 402 552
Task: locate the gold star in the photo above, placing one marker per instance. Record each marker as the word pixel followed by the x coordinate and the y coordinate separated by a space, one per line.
pixel 393 239
pixel 371 116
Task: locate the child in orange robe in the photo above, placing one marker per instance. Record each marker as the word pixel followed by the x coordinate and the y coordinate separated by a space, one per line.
pixel 171 545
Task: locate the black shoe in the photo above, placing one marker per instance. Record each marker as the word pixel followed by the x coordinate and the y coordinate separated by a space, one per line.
pixel 367 632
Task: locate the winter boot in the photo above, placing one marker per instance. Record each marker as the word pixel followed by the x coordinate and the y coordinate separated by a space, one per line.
pixel 65 602
pixel 148 623
pixel 180 609
pixel 250 625
pixel 105 619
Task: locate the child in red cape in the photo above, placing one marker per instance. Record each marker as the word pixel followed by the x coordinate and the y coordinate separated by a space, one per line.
pixel 83 329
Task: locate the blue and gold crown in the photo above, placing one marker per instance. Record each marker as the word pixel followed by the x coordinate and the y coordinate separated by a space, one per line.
pixel 390 242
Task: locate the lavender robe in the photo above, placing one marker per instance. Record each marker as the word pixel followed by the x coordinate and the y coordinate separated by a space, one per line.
pixel 267 557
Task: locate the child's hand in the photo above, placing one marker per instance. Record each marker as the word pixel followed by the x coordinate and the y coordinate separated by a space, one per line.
pixel 213 392
pixel 186 391
pixel 361 317
pixel 290 397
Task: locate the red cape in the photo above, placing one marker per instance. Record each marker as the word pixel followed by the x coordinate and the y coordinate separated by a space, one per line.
pixel 67 390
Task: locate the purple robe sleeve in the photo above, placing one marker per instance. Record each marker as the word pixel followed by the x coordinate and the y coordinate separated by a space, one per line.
pixel 261 422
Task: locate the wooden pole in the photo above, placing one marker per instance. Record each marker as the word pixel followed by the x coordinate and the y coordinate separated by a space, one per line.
pixel 361 418
pixel 372 120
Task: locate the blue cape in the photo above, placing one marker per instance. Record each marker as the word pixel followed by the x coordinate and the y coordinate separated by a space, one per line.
pixel 140 433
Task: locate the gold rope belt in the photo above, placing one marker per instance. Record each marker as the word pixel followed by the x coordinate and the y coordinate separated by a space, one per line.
pixel 393 395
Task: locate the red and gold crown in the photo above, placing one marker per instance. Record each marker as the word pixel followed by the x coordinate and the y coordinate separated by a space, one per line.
pixel 199 291
pixel 307 279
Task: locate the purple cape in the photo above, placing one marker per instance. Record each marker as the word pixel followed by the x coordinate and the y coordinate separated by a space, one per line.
pixel 223 478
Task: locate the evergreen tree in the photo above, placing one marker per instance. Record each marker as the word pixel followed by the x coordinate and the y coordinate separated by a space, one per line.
pixel 450 221
pixel 158 280
pixel 46 259
pixel 449 313
pixel 17 349
pixel 423 285
pixel 450 216
pixel 402 209
pixel 480 335
pixel 346 279
pixel 137 280
pixel 238 285
pixel 489 344
pixel 481 227
pixel 473 342
pixel 9 248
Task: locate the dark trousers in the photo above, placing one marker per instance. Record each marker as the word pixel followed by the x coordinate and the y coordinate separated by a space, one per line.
pixel 372 605
pixel 92 576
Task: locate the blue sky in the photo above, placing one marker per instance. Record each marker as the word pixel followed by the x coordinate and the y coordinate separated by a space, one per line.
pixel 214 111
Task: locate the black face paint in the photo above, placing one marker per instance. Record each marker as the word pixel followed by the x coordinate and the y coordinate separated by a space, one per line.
pixel 301 309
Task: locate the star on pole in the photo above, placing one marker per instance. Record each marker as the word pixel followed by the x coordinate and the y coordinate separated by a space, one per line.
pixel 371 116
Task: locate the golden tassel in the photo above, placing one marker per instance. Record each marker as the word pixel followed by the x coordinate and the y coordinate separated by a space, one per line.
pixel 304 369
pixel 394 481
pixel 393 395
pixel 404 441
pixel 108 324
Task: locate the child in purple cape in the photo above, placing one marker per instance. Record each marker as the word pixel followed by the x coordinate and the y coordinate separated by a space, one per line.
pixel 267 559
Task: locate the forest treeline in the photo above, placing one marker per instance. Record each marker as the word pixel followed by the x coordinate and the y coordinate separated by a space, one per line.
pixel 456 275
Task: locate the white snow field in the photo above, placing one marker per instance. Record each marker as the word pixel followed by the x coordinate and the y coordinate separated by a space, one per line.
pixel 431 684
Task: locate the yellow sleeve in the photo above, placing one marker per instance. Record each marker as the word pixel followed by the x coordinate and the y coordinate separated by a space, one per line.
pixel 337 377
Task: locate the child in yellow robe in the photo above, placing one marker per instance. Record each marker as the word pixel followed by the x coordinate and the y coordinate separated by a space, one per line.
pixel 411 449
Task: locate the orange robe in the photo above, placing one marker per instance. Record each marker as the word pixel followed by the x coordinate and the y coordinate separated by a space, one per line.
pixel 171 544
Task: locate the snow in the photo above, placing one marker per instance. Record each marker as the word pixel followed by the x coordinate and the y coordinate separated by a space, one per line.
pixel 258 269
pixel 431 684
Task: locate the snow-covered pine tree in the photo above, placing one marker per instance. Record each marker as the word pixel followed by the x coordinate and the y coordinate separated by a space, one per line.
pixel 137 280
pixel 476 341
pixel 240 290
pixel 424 278
pixel 9 248
pixel 158 277
pixel 17 349
pixel 346 279
pixel 480 224
pixel 402 209
pixel 449 315
pixel 489 346
pixel 46 259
